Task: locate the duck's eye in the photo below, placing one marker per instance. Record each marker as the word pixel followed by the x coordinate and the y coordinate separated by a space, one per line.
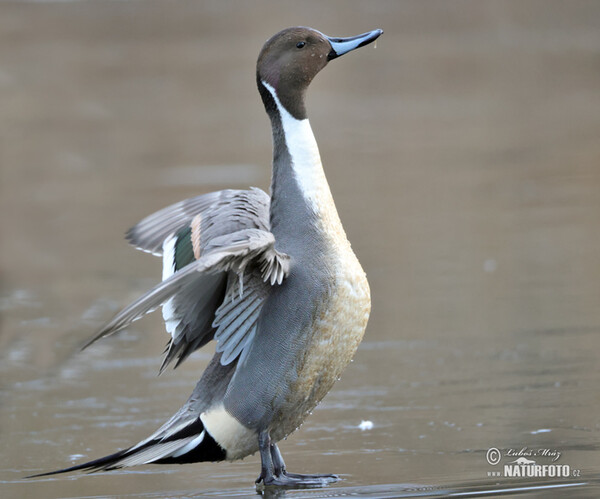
pixel 300 44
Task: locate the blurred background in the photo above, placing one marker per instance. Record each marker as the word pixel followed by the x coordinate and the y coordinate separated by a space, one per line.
pixel 463 153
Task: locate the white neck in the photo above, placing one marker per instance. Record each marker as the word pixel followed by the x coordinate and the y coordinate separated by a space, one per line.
pixel 305 158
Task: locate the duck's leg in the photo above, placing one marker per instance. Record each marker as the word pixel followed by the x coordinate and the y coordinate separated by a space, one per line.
pixel 273 470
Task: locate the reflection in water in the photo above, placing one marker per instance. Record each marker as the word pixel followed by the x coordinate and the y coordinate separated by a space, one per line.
pixel 415 490
pixel 463 157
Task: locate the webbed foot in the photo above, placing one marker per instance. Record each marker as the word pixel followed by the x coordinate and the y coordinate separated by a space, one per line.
pixel 274 474
pixel 296 480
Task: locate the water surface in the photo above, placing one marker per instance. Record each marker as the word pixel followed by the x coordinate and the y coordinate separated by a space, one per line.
pixel 463 155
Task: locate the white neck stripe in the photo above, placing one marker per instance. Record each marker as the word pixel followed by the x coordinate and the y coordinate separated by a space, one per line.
pixel 304 153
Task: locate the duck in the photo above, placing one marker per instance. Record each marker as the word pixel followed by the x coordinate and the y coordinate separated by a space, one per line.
pixel 272 279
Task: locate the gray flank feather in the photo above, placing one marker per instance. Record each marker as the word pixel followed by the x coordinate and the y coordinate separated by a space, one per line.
pixel 224 320
pixel 237 326
pixel 236 318
pixel 236 348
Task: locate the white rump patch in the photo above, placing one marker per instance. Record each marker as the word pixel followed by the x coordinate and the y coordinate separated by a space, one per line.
pixel 237 440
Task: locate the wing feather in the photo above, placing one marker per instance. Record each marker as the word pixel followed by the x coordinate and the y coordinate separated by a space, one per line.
pixel 150 233
pixel 219 264
pixel 232 252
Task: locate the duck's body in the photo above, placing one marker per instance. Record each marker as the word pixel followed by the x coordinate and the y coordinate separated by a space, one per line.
pixel 322 305
pixel 272 279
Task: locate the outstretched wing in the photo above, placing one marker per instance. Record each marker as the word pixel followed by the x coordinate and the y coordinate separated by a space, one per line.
pixel 218 268
pixel 189 315
pixel 229 210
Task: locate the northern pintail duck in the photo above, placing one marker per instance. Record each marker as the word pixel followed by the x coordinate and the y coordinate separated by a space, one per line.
pixel 272 279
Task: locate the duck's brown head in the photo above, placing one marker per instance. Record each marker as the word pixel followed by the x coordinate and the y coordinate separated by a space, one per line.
pixel 290 60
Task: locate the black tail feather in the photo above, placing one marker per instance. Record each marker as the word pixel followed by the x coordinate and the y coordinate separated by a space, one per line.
pixel 101 464
pixel 207 450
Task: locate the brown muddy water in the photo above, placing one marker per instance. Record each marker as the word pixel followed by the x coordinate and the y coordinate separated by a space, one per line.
pixel 464 156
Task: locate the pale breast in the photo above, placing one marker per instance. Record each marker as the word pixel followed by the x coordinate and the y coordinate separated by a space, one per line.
pixel 337 331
